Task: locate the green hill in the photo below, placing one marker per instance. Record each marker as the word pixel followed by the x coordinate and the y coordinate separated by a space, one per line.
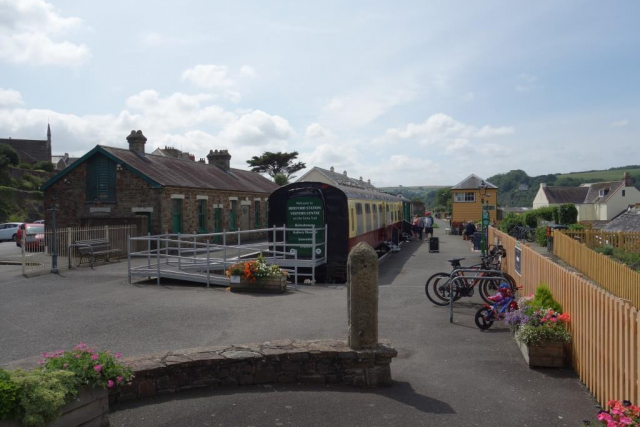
pixel 612 174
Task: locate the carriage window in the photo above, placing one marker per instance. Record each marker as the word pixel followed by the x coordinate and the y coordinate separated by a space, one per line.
pixel 353 220
pixel 375 217
pixel 359 219
pixel 367 211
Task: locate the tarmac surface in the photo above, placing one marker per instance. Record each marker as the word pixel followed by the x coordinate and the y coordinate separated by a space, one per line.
pixel 445 374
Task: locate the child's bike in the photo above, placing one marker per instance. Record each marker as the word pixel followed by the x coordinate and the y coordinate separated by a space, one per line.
pixel 504 302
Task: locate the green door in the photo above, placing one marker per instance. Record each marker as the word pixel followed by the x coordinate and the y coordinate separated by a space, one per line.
pixel 217 223
pixel 177 216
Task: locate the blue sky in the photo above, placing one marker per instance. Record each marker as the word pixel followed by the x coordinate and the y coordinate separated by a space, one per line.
pixel 399 92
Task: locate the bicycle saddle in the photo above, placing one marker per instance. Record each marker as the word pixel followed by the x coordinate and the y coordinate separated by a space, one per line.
pixel 455 261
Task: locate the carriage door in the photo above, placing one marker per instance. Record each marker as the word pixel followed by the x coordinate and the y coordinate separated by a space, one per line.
pixel 245 219
pixel 305 210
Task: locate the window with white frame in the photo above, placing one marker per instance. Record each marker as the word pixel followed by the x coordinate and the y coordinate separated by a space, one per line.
pixel 469 196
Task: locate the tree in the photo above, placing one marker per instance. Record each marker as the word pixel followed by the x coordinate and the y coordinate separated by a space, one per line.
pixel 43 165
pixel 281 179
pixel 8 156
pixel 276 163
pixel 443 198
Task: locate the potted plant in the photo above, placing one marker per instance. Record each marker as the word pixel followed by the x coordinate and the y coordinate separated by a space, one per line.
pixel 69 388
pixel 540 329
pixel 620 414
pixel 257 276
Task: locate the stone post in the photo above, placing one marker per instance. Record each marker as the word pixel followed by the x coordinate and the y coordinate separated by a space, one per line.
pixel 362 271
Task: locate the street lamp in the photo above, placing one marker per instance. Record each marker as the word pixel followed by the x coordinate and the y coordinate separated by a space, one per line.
pixel 485 215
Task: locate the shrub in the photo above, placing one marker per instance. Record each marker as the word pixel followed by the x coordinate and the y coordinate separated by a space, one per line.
pixel 567 214
pixel 605 250
pixel 533 323
pixel 9 154
pixel 41 394
pixel 24 165
pixel 8 397
pixel 510 221
pixel 541 236
pixel 44 166
pixel 576 227
pixel 556 215
pixel 543 298
pixel 93 368
pixel 632 259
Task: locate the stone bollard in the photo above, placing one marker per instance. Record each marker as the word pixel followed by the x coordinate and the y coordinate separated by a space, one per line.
pixel 362 271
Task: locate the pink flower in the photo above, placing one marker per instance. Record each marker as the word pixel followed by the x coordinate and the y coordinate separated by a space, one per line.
pixel 94 357
pixel 616 411
pixel 81 346
pixel 604 416
pixel 42 362
pixel 118 355
pixel 626 421
pixel 119 379
pixel 77 356
pixel 97 368
pixel 110 383
pixel 64 365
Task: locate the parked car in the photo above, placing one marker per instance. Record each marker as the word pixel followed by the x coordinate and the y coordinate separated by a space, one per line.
pixel 40 221
pixel 9 230
pixel 34 240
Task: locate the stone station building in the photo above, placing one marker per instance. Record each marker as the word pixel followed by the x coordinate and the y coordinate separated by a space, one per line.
pixel 111 186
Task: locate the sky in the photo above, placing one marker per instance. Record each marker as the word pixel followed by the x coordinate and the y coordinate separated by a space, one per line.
pixel 402 92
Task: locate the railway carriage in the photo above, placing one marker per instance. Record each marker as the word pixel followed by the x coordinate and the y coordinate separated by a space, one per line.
pixel 351 215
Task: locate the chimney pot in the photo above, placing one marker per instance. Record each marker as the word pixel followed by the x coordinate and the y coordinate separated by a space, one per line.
pixel 136 141
pixel 628 181
pixel 344 173
pixel 332 169
pixel 221 159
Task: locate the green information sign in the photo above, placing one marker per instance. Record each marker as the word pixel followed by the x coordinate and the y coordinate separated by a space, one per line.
pixel 485 218
pixel 305 212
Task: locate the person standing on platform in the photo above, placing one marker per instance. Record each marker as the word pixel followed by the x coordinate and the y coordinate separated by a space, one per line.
pixel 428 226
pixel 415 227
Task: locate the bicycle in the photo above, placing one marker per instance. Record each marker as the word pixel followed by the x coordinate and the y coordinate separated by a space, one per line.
pixel 504 302
pixel 523 233
pixel 439 283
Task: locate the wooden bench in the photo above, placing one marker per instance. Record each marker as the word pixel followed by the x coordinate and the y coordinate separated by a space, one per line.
pixel 92 249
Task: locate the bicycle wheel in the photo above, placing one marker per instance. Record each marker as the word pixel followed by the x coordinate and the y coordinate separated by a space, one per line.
pixel 529 236
pixel 437 289
pixel 488 288
pixel 482 317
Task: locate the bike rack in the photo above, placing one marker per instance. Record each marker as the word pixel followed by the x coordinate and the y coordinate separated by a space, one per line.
pixel 454 278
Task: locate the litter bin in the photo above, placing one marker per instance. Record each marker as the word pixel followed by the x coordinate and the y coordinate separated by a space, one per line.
pixel 434 244
pixel 477 241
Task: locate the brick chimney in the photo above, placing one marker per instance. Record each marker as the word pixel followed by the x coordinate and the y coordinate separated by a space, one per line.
pixel 628 181
pixel 221 158
pixel 202 161
pixel 136 141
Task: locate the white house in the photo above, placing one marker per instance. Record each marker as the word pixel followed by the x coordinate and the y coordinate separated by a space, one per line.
pixel 599 201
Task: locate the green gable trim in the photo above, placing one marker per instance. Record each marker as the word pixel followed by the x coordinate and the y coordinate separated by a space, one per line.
pixel 98 149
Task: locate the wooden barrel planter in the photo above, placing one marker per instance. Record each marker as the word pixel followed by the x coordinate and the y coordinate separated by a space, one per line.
pixel 546 354
pixel 274 285
pixel 89 409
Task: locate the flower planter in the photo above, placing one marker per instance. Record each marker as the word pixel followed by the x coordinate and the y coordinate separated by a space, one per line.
pixel 89 409
pixel 275 285
pixel 546 354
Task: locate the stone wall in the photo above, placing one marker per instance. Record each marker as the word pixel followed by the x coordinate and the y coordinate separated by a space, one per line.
pixel 283 361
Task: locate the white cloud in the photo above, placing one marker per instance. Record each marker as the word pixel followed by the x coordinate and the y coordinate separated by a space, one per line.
pixel 189 122
pixel 26 31
pixel 209 76
pixel 365 104
pixel 468 97
pixel 526 82
pixel 442 129
pixel 248 71
pixel 315 131
pixel 620 123
pixel 10 98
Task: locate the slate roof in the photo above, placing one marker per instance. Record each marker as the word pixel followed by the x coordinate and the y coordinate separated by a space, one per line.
pixel 30 150
pixel 593 196
pixel 628 221
pixel 161 171
pixel 472 182
pixel 575 195
pixel 341 179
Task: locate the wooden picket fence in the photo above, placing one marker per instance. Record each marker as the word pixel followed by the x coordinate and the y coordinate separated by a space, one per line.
pixel 612 275
pixel 605 329
pixel 596 238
